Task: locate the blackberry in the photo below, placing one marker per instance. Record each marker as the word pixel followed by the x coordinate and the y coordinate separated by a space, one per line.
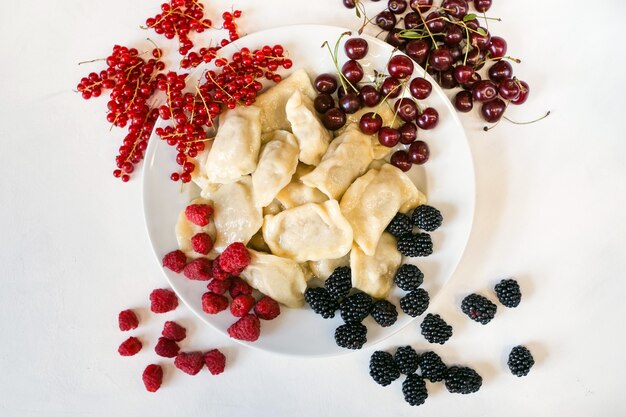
pixel 355 307
pixel 407 359
pixel 520 361
pixel 384 313
pixel 508 293
pixel 383 369
pixel 339 282
pixel 415 245
pixel 414 390
pixel 435 329
pixel 432 367
pixel 409 277
pixel 351 335
pixel 463 380
pixel 321 302
pixel 400 225
pixel 415 303
pixel 427 218
pixel 478 308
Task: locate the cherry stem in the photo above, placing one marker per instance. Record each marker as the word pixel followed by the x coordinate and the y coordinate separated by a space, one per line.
pixel 342 78
pixel 467 45
pixel 93 60
pixel 428 30
pixel 529 122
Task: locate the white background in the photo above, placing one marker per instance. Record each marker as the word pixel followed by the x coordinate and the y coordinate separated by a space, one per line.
pixel 550 211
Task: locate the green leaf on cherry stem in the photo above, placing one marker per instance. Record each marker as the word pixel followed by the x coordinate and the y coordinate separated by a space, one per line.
pixel 481 30
pixel 469 17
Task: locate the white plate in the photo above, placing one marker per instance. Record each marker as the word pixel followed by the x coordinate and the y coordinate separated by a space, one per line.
pixel 447 179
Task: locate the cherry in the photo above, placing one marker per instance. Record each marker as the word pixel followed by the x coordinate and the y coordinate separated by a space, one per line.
pixel 457 53
pixel 400 66
pixel 440 59
pixel 356 48
pixel 447 80
pixel 388 136
pixel 456 8
pixel 390 87
pixel 406 109
pixel 385 20
pixel 472 82
pixel 463 74
pixel 395 39
pixel 485 91
pixel 419 152
pixel 370 123
pixel 418 50
pixel 454 35
pixel 326 83
pixel 408 133
pixel 370 95
pixel 421 6
pixel 482 6
pixel 353 71
pixel 493 110
pixel 420 88
pixel 402 160
pixel 472 24
pixel 412 20
pixel 350 103
pixel 475 56
pixel 523 95
pixel 497 47
pixel 500 71
pixel 350 4
pixel 463 101
pixel 428 119
pixel 509 89
pixel 397 6
pixel 435 22
pixel 480 41
pixel 323 103
pixel 334 119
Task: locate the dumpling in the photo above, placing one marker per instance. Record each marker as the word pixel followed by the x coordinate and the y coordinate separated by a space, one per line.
pixel 237 218
pixel 309 233
pixel 272 102
pixel 323 268
pixel 236 146
pixel 277 164
pixel 345 160
pixel 312 136
pixel 373 199
pixel 185 230
pixel 296 193
pixel 279 278
pixel 374 274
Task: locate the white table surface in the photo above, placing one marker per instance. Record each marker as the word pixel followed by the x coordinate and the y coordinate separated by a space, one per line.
pixel 550 211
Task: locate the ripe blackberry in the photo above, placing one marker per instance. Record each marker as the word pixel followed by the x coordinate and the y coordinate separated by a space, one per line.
pixel 407 359
pixel 415 303
pixel 400 225
pixel 351 335
pixel 409 277
pixel 463 380
pixel 478 308
pixel 432 367
pixel 383 369
pixel 427 218
pixel 321 302
pixel 355 307
pixel 435 329
pixel 339 282
pixel 384 313
pixel 414 245
pixel 520 361
pixel 508 293
pixel 414 390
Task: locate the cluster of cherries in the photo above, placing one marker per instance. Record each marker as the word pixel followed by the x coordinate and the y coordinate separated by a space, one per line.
pixel 353 95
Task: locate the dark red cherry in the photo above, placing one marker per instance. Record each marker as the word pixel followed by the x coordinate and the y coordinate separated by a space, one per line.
pixel 482 6
pixel 454 35
pixel 474 56
pixel 421 5
pixel 350 103
pixel 412 20
pixel 388 136
pixel 334 119
pixel 390 87
pixel 497 47
pixel 440 59
pixel 493 110
pixel 397 6
pixel 406 109
pixel 408 133
pixel 446 79
pixel 419 152
pixel 323 103
pixel 500 70
pixel 472 82
pixel 353 71
pixel 457 53
pixel 509 89
pixel 463 101
pixel 370 95
pixel 478 40
pixel 418 50
pixel 484 91
pixel 356 48
pixel 420 88
pixel 370 123
pixel 402 160
pixel 350 4
pixel 428 119
pixel 326 83
pixel 455 8
pixel 435 22
pixel 393 38
pixel 463 73
pixel 385 20
pixel 523 95
pixel 400 66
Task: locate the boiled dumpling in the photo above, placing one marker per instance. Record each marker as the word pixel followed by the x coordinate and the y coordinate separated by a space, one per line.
pixel 277 163
pixel 185 230
pixel 236 146
pixel 374 274
pixel 312 136
pixel 323 268
pixel 310 232
pixel 374 199
pixel 296 193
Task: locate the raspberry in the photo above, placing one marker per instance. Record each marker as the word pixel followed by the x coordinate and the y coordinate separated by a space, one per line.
pixel 199 214
pixel 247 328
pixel 152 377
pixel 189 362
pixel 218 287
pixel 202 243
pixel 173 331
pixel 127 320
pixel 213 303
pixel 241 305
pixel 239 287
pixel 267 308
pixel 215 361
pixel 217 272
pixel 175 260
pixel 198 269
pixel 129 347
pixel 166 348
pixel 235 258
pixel 163 300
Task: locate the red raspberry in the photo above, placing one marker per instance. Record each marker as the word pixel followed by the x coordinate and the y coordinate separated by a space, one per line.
pixel 173 331
pixel 215 361
pixel 218 287
pixel 201 243
pixel 241 305
pixel 235 258
pixel 129 347
pixel 238 287
pixel 267 308
pixel 247 328
pixel 166 348
pixel 175 260
pixel 189 362
pixel 217 272
pixel 127 320
pixel 163 300
pixel 213 303
pixel 152 377
pixel 198 269
pixel 199 214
